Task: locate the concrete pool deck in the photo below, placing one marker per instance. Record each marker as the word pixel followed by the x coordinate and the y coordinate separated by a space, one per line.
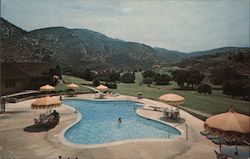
pixel 18 139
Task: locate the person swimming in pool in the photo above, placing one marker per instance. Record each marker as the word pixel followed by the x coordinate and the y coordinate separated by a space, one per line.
pixel 119 120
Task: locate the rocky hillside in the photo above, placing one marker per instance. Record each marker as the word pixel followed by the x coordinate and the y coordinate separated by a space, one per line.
pixel 78 49
pixel 172 56
pixel 82 48
pixel 236 58
pixel 18 46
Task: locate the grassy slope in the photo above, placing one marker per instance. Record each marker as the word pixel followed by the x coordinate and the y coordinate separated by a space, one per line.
pixel 76 80
pixel 212 104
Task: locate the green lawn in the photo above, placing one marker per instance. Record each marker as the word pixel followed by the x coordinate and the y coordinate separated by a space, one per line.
pixel 211 104
pixel 76 80
pixel 63 88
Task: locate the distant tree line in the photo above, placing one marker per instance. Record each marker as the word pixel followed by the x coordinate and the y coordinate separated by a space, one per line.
pixel 110 78
pixel 187 79
pixel 233 83
pixel 150 77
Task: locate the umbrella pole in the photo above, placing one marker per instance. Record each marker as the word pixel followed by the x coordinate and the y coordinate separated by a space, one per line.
pixel 236 146
pixel 186 131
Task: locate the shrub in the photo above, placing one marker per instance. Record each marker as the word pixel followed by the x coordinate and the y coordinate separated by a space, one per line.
pixel 204 88
pixel 111 85
pixel 96 82
pixel 148 81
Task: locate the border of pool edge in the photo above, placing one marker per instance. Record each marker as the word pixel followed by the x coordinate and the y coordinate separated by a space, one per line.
pixel 64 141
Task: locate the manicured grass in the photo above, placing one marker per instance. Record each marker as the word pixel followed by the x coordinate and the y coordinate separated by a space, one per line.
pixel 63 88
pixel 211 104
pixel 76 80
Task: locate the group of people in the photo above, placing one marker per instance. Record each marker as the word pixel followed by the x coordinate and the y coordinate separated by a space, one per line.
pixel 48 120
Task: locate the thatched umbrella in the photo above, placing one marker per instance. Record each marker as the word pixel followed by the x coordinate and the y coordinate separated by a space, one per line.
pixel 47 88
pixel 232 126
pixel 72 86
pixel 46 103
pixel 172 99
pixel 102 88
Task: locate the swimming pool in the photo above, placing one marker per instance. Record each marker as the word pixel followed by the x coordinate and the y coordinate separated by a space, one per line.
pixel 99 123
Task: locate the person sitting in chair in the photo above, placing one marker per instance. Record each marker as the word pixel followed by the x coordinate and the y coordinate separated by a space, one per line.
pixel 55 113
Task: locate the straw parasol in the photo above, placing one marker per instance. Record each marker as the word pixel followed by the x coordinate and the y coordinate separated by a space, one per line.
pixel 172 99
pixel 232 126
pixel 102 88
pixel 46 103
pixel 47 88
pixel 72 86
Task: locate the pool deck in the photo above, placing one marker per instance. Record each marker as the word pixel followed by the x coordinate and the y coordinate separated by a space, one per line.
pixel 18 139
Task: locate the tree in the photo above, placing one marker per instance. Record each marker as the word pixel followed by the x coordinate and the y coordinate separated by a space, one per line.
pixel 180 77
pixel 204 88
pixel 127 78
pixel 88 75
pixel 162 79
pixel 111 85
pixel 247 91
pixel 195 78
pixel 96 82
pixel 148 81
pixel 149 73
pixel 220 75
pixel 233 88
pixel 114 76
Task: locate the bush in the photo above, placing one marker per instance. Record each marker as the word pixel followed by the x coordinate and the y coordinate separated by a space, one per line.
pixel 96 82
pixel 127 78
pixel 204 88
pixel 148 81
pixel 233 88
pixel 162 79
pixel 111 85
pixel 88 75
pixel 149 74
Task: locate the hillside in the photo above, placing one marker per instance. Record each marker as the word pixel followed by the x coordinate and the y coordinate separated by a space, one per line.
pixel 17 46
pixel 82 48
pixel 76 50
pixel 216 51
pixel 236 58
pixel 172 56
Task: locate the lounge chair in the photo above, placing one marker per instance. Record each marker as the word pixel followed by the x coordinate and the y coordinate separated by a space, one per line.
pixel 156 108
pixel 211 136
pixel 220 141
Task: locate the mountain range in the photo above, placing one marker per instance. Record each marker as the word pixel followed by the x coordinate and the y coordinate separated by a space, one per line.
pixel 78 49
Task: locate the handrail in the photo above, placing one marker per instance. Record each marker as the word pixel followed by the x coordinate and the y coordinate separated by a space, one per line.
pixel 186 128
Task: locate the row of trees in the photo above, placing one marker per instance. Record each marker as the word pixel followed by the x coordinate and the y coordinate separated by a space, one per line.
pixel 187 79
pixel 113 76
pixel 237 88
pixel 233 83
pixel 150 77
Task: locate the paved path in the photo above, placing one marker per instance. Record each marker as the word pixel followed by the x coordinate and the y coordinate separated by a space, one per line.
pixel 18 141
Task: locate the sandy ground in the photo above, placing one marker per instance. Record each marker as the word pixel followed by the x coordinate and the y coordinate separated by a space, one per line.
pixel 19 139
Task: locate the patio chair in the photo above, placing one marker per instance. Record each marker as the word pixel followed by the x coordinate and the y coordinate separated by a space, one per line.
pixel 220 155
pixel 205 133
pixel 211 136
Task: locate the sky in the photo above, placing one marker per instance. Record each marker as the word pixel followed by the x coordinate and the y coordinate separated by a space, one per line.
pixel 183 25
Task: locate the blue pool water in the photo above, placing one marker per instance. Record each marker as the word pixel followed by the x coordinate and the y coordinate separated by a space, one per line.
pixel 99 123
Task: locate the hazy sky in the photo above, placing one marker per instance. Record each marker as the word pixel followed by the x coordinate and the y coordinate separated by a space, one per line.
pixel 178 24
